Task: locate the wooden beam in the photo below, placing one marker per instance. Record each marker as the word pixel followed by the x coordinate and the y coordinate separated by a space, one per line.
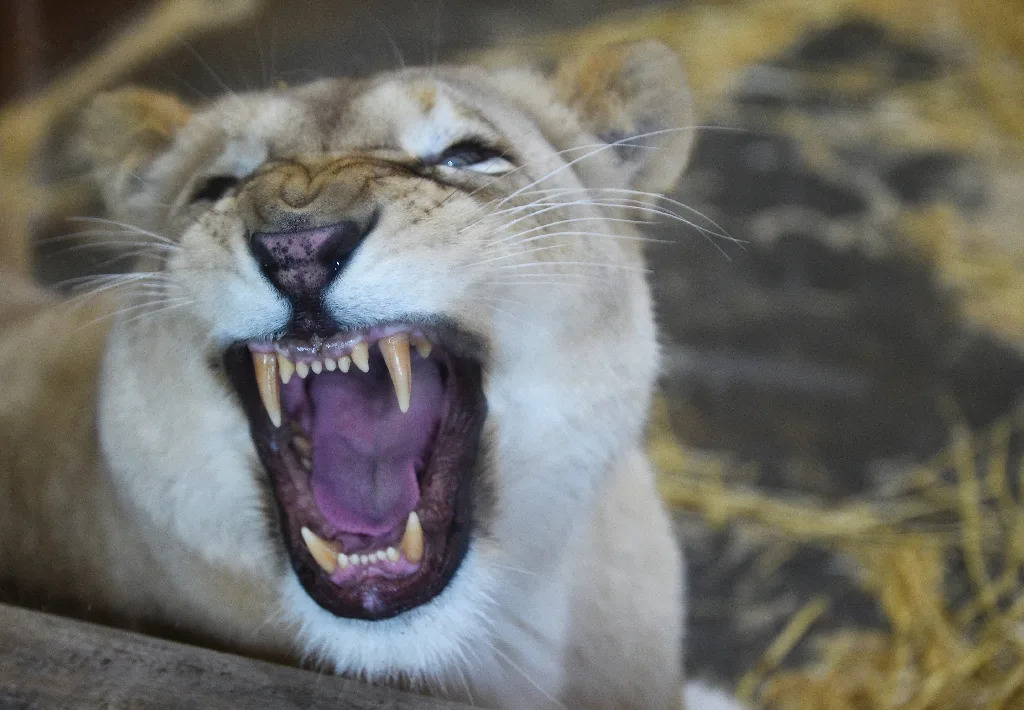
pixel 51 662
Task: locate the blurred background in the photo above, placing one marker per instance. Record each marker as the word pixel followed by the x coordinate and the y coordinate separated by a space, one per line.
pixel 840 430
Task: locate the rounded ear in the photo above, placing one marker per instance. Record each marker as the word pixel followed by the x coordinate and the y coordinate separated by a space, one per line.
pixel 123 131
pixel 634 94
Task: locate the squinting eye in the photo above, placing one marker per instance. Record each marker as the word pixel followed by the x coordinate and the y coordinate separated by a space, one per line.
pixel 214 188
pixel 473 155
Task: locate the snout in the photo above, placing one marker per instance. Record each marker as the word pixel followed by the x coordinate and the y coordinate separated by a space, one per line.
pixel 301 264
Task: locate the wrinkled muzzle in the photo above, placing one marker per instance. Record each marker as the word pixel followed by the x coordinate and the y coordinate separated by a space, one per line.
pixel 369 436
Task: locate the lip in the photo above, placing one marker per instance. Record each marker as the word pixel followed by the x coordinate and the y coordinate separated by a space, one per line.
pixel 446 481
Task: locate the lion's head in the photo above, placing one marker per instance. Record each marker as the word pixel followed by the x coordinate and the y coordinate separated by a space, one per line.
pixel 385 338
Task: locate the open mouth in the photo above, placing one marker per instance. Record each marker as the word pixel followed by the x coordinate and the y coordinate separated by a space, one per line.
pixel 370 440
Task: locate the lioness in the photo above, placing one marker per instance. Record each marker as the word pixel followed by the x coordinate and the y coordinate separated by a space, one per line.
pixel 375 396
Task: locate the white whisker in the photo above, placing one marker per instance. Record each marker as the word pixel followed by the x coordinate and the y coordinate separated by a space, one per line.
pixel 124 225
pixel 589 264
pixel 536 283
pixel 515 666
pixel 512 255
pixel 602 148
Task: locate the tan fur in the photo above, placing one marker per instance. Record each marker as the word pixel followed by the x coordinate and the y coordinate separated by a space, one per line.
pixel 124 127
pixel 131 487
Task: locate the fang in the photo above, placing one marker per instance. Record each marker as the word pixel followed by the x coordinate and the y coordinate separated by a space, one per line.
pixel 395 349
pixel 265 367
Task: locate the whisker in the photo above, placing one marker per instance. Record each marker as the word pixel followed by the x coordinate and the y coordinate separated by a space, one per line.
pixel 602 148
pixel 206 65
pixel 535 283
pixel 723 232
pixel 522 166
pixel 114 236
pixel 516 238
pixel 589 264
pixel 162 310
pixel 515 569
pixel 594 235
pixel 499 299
pixel 619 203
pixel 124 225
pixel 390 37
pixel 522 252
pixel 506 314
pixel 106 279
pixel 523 673
pixel 648 206
pixel 118 312
pixel 152 249
pixel 149 304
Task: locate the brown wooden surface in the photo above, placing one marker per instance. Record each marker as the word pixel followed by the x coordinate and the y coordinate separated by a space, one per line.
pixel 51 662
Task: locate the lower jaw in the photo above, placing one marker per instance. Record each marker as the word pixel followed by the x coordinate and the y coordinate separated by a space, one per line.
pixel 384 592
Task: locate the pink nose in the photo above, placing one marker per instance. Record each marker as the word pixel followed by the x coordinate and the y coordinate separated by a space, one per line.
pixel 302 264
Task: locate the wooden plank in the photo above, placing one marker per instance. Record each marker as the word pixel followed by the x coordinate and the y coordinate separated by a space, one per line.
pixel 51 662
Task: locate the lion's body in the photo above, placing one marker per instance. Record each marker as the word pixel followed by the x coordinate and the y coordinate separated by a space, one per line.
pixel 130 485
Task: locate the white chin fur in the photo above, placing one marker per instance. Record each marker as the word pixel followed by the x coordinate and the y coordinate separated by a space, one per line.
pixel 425 647
pixel 698 696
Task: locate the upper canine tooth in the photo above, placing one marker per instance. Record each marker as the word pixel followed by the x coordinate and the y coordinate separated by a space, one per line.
pixel 423 346
pixel 395 349
pixel 286 367
pixel 361 356
pixel 323 553
pixel 265 366
pixel 412 540
pixel 301 369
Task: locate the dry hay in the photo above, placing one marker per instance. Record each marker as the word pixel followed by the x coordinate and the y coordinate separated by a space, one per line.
pixel 975 109
pixel 934 654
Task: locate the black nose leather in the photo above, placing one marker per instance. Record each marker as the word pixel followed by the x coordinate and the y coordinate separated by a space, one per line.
pixel 303 263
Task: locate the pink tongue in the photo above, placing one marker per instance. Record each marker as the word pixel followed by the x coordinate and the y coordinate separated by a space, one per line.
pixel 365 451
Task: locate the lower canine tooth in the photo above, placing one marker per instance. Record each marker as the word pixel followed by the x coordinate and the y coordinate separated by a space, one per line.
pixel 324 555
pixel 265 366
pixel 303 446
pixel 361 356
pixel 412 540
pixel 395 349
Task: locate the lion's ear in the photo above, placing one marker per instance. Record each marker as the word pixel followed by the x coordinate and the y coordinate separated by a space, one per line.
pixel 635 95
pixel 121 132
